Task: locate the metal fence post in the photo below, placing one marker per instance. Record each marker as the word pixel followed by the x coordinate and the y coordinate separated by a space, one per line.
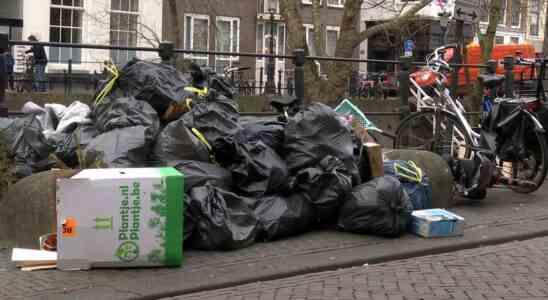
pixel 3 76
pixel 261 74
pixel 65 81
pixel 70 76
pixel 279 82
pixel 166 52
pixel 509 81
pixel 405 68
pixel 299 75
pixel 492 70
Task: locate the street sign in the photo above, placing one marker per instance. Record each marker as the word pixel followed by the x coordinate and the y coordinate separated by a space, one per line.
pixel 408 46
pixel 466 10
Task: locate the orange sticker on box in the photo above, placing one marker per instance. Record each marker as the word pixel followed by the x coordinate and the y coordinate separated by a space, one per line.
pixel 69 227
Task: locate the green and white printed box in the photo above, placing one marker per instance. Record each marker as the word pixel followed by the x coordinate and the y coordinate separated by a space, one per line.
pixel 120 218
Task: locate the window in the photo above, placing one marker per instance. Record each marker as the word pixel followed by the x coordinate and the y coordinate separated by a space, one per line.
pixel 264 5
pixel 515 13
pixel 514 40
pixel 499 40
pixel 124 19
pixel 335 3
pixel 331 37
pixel 534 17
pixel 66 27
pixel 227 39
pixel 197 37
pixel 502 19
pixel 309 2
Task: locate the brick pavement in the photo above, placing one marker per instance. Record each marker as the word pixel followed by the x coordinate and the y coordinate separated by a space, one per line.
pixel 504 215
pixel 517 270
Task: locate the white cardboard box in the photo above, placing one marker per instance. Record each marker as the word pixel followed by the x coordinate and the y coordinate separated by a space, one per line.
pixel 436 223
pixel 120 218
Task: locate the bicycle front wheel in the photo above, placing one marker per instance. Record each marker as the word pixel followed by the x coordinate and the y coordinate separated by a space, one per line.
pixel 435 131
pixel 533 166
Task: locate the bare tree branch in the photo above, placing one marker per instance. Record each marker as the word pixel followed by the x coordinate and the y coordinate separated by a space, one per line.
pixel 400 21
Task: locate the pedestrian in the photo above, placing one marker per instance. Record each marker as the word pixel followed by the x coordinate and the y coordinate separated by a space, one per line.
pixel 10 64
pixel 39 63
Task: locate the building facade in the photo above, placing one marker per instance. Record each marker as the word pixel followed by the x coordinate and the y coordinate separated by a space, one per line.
pixel 523 21
pixel 249 26
pixel 102 22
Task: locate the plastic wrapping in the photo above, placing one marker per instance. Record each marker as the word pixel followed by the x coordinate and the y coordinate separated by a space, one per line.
pixel 126 112
pixel 119 148
pixel 199 173
pixel 281 216
pixel 326 186
pixel 379 207
pixel 258 170
pixel 176 142
pixel 315 133
pixel 224 221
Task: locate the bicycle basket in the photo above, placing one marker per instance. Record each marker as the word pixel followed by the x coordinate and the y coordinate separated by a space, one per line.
pixel 346 107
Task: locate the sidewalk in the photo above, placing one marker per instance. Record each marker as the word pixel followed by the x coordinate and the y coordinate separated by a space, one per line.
pixel 517 270
pixel 503 216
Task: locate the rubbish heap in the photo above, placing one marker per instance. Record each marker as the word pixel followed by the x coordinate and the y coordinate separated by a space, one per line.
pixel 246 179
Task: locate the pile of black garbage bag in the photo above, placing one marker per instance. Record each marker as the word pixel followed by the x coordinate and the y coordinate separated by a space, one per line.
pixel 246 179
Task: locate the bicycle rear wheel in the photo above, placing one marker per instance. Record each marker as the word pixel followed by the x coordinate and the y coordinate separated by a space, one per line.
pixel 435 131
pixel 533 167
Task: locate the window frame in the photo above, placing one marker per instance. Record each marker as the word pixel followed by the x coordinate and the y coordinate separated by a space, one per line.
pixel 502 21
pixel 340 4
pixel 81 9
pixel 130 12
pixel 536 15
pixel 495 39
pixel 191 47
pixel 332 28
pixel 511 14
pixel 230 59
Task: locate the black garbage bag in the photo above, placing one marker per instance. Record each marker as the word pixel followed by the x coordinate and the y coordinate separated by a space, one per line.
pixel 126 112
pixel 119 148
pixel 67 145
pixel 199 173
pixel 27 146
pixel 189 220
pixel 270 132
pixel 326 186
pixel 379 207
pixel 258 170
pixel 224 221
pixel 218 122
pixel 158 84
pixel 315 133
pixel 281 216
pixel 176 142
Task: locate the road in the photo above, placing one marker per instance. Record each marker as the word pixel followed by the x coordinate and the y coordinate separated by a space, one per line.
pixel 517 270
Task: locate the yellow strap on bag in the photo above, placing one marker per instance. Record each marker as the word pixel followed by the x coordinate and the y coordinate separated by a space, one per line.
pixel 110 84
pixel 414 174
pixel 198 91
pixel 201 137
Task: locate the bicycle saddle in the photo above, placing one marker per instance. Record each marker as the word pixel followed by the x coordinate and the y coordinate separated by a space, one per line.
pixel 491 80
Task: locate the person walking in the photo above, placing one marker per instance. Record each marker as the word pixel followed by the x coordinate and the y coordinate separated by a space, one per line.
pixel 10 64
pixel 39 63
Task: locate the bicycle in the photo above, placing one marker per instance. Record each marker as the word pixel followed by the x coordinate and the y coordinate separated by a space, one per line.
pixel 510 134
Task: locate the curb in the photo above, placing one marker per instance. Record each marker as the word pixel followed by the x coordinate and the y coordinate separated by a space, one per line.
pixel 357 262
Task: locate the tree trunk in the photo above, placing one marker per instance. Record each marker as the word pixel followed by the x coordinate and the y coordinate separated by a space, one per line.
pixel 175 24
pixel 338 74
pixel 486 43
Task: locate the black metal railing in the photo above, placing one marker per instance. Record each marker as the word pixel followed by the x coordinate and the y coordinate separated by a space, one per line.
pixel 292 84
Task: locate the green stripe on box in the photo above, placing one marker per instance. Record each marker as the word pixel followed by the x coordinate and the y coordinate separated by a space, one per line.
pixel 174 222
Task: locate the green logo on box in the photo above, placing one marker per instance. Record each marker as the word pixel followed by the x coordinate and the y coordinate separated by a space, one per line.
pixel 128 251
